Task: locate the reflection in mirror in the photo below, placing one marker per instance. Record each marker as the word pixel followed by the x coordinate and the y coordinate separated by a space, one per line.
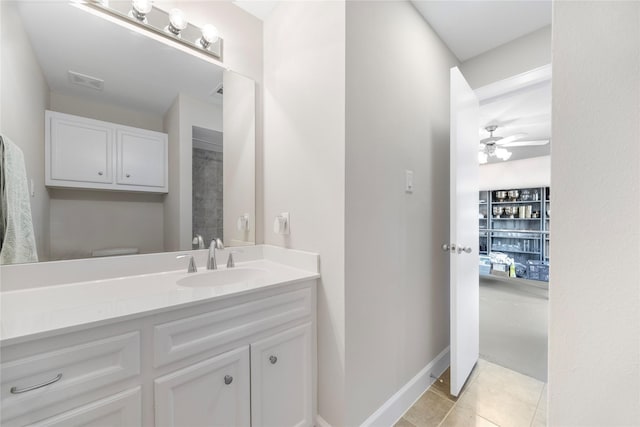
pixel 59 58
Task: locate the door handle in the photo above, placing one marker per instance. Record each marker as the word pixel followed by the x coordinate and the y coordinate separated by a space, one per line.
pixel 449 247
pixel 465 249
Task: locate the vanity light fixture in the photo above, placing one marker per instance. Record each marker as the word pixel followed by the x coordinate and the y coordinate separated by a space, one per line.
pixel 140 8
pixel 209 35
pixel 177 22
pixel 169 28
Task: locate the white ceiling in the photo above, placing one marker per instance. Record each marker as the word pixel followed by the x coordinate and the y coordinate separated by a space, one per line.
pixel 473 27
pixel 138 72
pixel 258 8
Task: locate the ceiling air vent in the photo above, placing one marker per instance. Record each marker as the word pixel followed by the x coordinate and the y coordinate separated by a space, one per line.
pixel 86 81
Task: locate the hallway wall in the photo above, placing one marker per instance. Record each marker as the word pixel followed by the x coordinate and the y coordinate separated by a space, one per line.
pixel 397 277
pixel 594 352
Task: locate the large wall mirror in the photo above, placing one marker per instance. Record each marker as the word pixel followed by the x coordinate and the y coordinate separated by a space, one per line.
pixel 207 112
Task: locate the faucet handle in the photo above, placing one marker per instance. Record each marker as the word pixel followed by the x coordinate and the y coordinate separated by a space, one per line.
pixel 192 263
pixel 219 244
pixel 230 262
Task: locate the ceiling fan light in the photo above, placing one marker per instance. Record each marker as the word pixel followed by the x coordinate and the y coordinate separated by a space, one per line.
pixel 482 157
pixel 502 153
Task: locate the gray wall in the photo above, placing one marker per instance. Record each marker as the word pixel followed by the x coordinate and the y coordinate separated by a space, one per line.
pixel 516 57
pixel 24 96
pixel 397 293
pixel 594 296
pixel 304 75
pixel 207 194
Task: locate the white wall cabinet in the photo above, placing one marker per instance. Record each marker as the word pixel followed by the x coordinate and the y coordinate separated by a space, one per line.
pixel 92 154
pixel 281 378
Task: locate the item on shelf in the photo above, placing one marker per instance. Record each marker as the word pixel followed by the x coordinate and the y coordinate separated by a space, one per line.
pixel 522 212
pixel 525 195
pixel 497 211
pixel 521 270
pixel 536 196
pixel 513 195
pixel 548 213
pixel 538 270
pixel 501 195
pixel 527 211
pixel 485 265
pixel 510 211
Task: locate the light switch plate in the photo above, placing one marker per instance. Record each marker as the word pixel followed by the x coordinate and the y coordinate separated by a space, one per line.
pixel 408 187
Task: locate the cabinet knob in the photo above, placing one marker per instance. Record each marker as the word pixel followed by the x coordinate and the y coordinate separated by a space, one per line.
pixel 100 173
pixel 128 175
pixel 228 379
pixel 273 359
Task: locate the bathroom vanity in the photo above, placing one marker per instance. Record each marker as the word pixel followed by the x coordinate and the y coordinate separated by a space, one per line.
pixel 229 347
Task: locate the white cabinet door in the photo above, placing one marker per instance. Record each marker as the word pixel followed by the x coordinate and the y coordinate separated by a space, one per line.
pixel 281 379
pixel 214 392
pixel 122 409
pixel 142 158
pixel 80 151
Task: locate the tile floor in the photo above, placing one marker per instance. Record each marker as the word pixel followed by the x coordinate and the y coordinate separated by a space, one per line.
pixel 493 397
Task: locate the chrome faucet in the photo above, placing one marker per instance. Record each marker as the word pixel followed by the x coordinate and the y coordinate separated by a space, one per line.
pixel 192 263
pixel 211 259
pixel 197 240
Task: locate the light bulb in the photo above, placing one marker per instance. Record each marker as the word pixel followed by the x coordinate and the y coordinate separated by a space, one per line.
pixel 502 153
pixel 177 21
pixel 482 157
pixel 209 35
pixel 140 8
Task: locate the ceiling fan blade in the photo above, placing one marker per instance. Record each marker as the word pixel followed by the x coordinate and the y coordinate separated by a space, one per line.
pixel 510 138
pixel 526 143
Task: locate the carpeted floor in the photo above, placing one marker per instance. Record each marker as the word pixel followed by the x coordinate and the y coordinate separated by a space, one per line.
pixel 513 327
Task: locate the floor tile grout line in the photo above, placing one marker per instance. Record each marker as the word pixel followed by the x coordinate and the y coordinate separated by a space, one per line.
pixel 447 414
pixel 537 406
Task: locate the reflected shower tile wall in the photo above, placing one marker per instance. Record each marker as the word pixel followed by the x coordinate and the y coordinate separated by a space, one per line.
pixel 207 194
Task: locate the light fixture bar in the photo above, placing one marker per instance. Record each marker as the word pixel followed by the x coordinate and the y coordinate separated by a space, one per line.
pixel 156 22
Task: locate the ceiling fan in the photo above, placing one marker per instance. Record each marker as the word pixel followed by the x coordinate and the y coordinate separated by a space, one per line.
pixel 496 146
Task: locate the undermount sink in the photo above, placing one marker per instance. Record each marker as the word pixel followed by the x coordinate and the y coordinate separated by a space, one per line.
pixel 221 277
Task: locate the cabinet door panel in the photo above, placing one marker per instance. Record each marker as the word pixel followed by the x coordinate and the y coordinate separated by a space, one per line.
pixel 142 158
pixel 210 393
pixel 281 379
pixel 81 151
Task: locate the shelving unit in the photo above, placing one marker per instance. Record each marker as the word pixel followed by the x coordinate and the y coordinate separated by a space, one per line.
pixel 517 226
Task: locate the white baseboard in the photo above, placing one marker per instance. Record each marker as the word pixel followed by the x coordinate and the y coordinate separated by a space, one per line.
pixel 320 422
pixel 391 411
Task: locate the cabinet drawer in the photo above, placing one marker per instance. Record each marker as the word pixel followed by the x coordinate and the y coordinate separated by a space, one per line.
pixel 69 372
pixel 215 392
pixel 186 337
pixel 122 409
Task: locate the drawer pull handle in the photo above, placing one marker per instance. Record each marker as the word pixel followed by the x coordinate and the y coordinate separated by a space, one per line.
pixel 228 379
pixel 273 359
pixel 16 390
pixel 128 175
pixel 100 173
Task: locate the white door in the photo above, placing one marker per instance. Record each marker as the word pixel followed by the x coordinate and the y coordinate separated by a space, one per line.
pixel 463 247
pixel 142 158
pixel 212 393
pixel 281 376
pixel 80 150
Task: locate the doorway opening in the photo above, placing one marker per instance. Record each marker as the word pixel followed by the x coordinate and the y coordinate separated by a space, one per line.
pixel 514 216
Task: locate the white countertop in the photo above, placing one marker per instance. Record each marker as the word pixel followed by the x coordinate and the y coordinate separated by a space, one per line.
pixel 33 312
